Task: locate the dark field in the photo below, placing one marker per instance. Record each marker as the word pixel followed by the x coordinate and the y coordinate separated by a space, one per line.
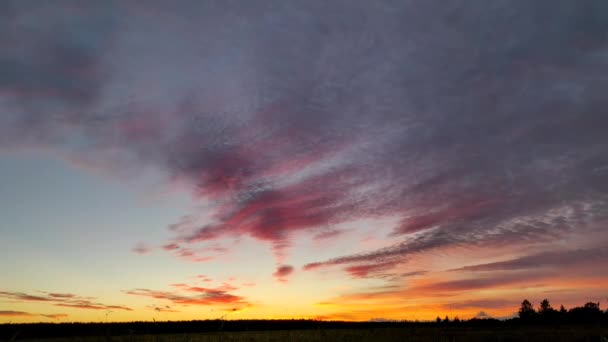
pixel 378 335
pixel 377 332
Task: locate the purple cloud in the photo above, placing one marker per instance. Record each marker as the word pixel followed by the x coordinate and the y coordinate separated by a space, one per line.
pixel 471 123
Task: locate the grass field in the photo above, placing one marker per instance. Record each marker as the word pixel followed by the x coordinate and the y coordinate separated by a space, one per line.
pixel 376 335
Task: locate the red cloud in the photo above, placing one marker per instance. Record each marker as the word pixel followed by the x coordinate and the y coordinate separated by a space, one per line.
pixel 201 296
pixel 171 246
pixel 272 214
pixel 363 271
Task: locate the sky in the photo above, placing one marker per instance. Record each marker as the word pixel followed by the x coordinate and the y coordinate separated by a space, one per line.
pixel 334 160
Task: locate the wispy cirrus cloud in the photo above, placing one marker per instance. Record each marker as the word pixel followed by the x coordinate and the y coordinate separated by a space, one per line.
pixel 10 313
pixel 61 299
pixel 558 259
pixel 204 278
pixel 466 131
pixel 54 316
pixel 194 295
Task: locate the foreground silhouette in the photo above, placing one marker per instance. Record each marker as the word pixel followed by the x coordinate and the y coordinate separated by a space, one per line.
pixel 589 319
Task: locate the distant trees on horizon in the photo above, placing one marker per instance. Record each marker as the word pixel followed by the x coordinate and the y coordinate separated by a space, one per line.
pixel 588 313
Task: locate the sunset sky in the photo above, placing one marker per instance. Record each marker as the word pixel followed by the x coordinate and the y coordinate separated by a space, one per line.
pixel 343 159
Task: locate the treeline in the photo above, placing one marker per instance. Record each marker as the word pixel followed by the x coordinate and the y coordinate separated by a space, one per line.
pixel 588 314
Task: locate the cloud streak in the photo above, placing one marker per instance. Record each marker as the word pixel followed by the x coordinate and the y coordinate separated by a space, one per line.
pixel 10 313
pixel 194 295
pixel 61 299
pixel 556 259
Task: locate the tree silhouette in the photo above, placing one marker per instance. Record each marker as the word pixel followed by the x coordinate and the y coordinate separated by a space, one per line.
pixel 592 307
pixel 545 306
pixel 589 313
pixel 526 311
pixel 546 312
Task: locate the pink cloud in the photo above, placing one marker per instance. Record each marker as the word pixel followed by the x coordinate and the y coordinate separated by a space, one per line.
pixel 283 272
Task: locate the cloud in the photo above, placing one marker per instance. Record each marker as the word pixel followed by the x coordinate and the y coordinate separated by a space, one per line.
pixel 328 234
pixel 204 278
pixel 51 66
pixel 452 287
pixel 188 288
pixel 380 270
pixel 61 299
pixel 165 308
pixel 55 316
pixel 93 306
pixel 193 295
pixel 9 313
pixel 558 259
pixel 62 295
pixel 363 271
pixel 141 248
pixel 19 296
pixel 467 131
pixel 170 246
pixel 282 272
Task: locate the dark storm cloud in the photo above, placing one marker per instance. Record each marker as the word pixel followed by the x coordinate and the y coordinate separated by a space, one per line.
pixel 473 122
